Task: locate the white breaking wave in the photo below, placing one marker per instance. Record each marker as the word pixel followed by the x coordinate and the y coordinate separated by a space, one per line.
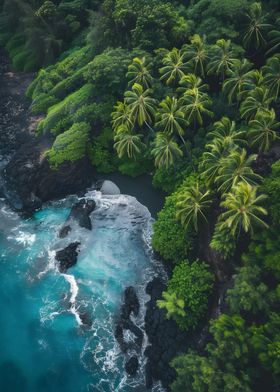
pixel 74 289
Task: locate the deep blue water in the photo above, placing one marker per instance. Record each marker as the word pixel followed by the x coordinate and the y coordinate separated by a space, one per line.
pixel 43 346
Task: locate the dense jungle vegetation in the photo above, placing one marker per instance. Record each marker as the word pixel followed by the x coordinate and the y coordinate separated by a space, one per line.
pixel 188 91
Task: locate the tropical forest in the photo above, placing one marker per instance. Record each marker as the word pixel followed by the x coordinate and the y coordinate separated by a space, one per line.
pixel 139 195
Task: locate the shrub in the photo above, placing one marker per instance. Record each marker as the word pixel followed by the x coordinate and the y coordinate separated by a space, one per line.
pixel 70 146
pixel 60 116
pixel 191 283
pixel 169 238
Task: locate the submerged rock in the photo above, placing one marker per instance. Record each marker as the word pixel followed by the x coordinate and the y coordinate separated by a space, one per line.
pixel 132 365
pixel 80 213
pixel 64 231
pixel 67 257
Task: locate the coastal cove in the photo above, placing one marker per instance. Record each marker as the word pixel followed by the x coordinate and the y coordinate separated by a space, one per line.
pixel 67 321
pixel 139 195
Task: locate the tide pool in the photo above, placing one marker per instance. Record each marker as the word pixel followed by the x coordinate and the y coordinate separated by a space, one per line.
pixel 43 346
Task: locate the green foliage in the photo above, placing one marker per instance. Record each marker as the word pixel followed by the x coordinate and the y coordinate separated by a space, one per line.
pixel 223 241
pixel 101 153
pixel 169 239
pixel 174 306
pixel 192 204
pixel 272 188
pixel 134 168
pixel 225 367
pixel 166 151
pixel 107 71
pixel 45 29
pixel 60 116
pixel 70 146
pixel 192 284
pixel 249 293
pixel 243 209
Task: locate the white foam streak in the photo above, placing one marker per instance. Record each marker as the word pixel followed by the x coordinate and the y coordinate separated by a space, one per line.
pixel 74 289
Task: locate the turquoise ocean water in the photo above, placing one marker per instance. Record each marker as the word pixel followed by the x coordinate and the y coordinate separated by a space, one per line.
pixel 43 346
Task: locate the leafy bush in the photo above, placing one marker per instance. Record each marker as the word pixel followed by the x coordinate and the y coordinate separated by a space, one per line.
pixel 271 187
pixel 70 146
pixel 192 283
pixel 43 102
pixel 249 293
pixel 107 71
pixel 60 116
pixel 134 168
pixel 170 239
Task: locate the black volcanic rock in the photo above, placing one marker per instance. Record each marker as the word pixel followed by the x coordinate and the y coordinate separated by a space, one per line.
pixel 29 175
pixel 80 213
pixel 131 303
pixel 67 257
pixel 132 365
pixel 166 340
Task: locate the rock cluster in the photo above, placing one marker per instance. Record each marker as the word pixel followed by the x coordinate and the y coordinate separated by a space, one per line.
pixel 80 213
pixel 130 306
pixel 166 340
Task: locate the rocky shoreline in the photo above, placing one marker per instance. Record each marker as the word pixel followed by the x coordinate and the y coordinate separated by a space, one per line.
pixel 27 181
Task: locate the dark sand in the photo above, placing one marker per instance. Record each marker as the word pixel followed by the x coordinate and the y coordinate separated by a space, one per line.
pixel 140 187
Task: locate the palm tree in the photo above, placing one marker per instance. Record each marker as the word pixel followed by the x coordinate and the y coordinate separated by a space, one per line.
pixel 197 54
pixel 223 58
pixel 258 100
pixel 174 66
pixel 121 116
pixel 191 81
pixel 274 38
pixel 195 105
pixel 271 72
pixel 175 306
pixel 192 205
pixel 127 143
pixel 139 72
pixel 239 80
pixel 166 151
pixel 142 106
pixel 225 131
pixel 256 27
pixel 237 168
pixel 243 209
pixel 171 118
pixel 212 161
pixel 263 130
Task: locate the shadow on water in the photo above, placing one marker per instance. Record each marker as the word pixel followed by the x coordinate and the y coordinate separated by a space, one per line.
pixel 12 378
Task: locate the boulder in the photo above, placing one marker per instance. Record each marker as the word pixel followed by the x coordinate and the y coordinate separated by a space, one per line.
pixel 80 213
pixel 67 257
pixel 109 188
pixel 131 303
pixel 131 366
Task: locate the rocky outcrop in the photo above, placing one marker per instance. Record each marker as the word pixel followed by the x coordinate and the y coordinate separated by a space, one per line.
pixel 131 303
pixel 67 257
pixel 30 175
pixel 129 306
pixel 166 340
pixel 131 366
pixel 80 213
